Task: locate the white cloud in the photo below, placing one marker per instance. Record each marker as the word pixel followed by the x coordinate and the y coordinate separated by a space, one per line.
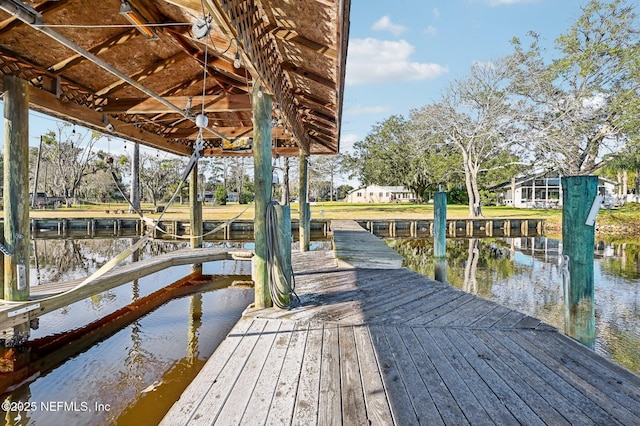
pixel 371 60
pixel 436 12
pixel 431 30
pixel 385 24
pixel 347 141
pixel 361 109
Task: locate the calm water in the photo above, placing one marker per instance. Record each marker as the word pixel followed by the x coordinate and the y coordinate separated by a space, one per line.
pixel 524 274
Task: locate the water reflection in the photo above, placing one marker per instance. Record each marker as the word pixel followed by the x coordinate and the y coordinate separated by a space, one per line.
pixel 139 371
pixel 526 274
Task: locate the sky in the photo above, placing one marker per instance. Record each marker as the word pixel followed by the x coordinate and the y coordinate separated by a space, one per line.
pixel 402 54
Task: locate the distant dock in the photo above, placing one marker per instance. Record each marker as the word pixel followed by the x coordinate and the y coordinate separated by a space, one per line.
pixel 410 228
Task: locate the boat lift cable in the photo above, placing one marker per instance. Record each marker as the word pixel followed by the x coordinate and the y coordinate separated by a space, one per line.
pixel 281 283
pixel 130 250
pixel 155 223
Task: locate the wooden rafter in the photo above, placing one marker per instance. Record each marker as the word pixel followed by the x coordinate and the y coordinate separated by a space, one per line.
pixel 288 66
pixel 101 48
pixel 216 103
pixel 142 74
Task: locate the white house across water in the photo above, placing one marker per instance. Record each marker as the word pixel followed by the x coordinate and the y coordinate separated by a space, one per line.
pixel 543 191
pixel 381 194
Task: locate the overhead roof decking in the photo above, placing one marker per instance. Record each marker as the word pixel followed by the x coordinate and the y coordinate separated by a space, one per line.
pixel 297 50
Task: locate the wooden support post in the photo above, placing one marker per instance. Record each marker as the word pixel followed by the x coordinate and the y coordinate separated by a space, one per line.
pixel 440 234
pixel 305 212
pixel 578 194
pixel 263 180
pixel 488 228
pixel 16 189
pixel 507 227
pixel 524 228
pixel 195 222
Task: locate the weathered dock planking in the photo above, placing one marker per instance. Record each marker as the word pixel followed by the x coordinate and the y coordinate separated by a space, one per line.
pixel 391 347
pixel 49 297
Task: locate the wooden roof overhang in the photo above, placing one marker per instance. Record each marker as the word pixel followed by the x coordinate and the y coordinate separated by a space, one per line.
pixel 88 65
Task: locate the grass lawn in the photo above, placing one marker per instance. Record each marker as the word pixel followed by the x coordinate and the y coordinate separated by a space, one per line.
pixel 333 210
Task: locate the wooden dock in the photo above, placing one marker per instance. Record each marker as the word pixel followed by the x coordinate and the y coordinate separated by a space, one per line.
pixel 392 347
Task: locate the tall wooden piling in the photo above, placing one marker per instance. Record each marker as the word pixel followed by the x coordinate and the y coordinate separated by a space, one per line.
pixel 263 179
pixel 440 234
pixel 578 194
pixel 195 217
pixel 304 228
pixel 16 189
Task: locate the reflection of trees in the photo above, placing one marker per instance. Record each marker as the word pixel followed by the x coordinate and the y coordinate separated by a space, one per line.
pixel 472 265
pixel 625 262
pixel 623 346
pixel 68 259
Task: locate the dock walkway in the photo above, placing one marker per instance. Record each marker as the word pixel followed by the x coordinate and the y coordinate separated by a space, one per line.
pixel 391 347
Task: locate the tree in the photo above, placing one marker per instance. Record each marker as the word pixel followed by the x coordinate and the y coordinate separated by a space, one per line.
pixel 475 118
pixel 159 174
pixel 586 103
pixel 71 158
pixel 326 166
pixel 221 195
pixel 391 155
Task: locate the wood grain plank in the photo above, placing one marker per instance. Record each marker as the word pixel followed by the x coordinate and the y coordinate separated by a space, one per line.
pixel 622 379
pixel 218 393
pixel 445 402
pixel 466 397
pixel 491 402
pixel 510 320
pixel 520 372
pixel 400 403
pixel 445 308
pixel 423 404
pixel 245 385
pixel 466 312
pixel 567 389
pixel 491 318
pixel 257 407
pixel 515 375
pixel 507 397
pixel 377 404
pixel 353 405
pixel 305 410
pixel 598 388
pixel 329 404
pixel 281 409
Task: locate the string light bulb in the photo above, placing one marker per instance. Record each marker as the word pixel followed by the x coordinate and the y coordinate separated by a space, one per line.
pixel 260 91
pixel 236 61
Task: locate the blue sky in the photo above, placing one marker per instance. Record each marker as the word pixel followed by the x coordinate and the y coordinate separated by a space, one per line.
pixel 403 53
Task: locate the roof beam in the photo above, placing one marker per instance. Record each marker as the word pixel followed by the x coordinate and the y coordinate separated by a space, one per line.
pixel 108 44
pixel 292 36
pixel 288 66
pixel 142 74
pixel 212 103
pixel 47 103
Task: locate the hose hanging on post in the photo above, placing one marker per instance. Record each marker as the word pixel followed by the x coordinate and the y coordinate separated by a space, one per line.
pixel 281 282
